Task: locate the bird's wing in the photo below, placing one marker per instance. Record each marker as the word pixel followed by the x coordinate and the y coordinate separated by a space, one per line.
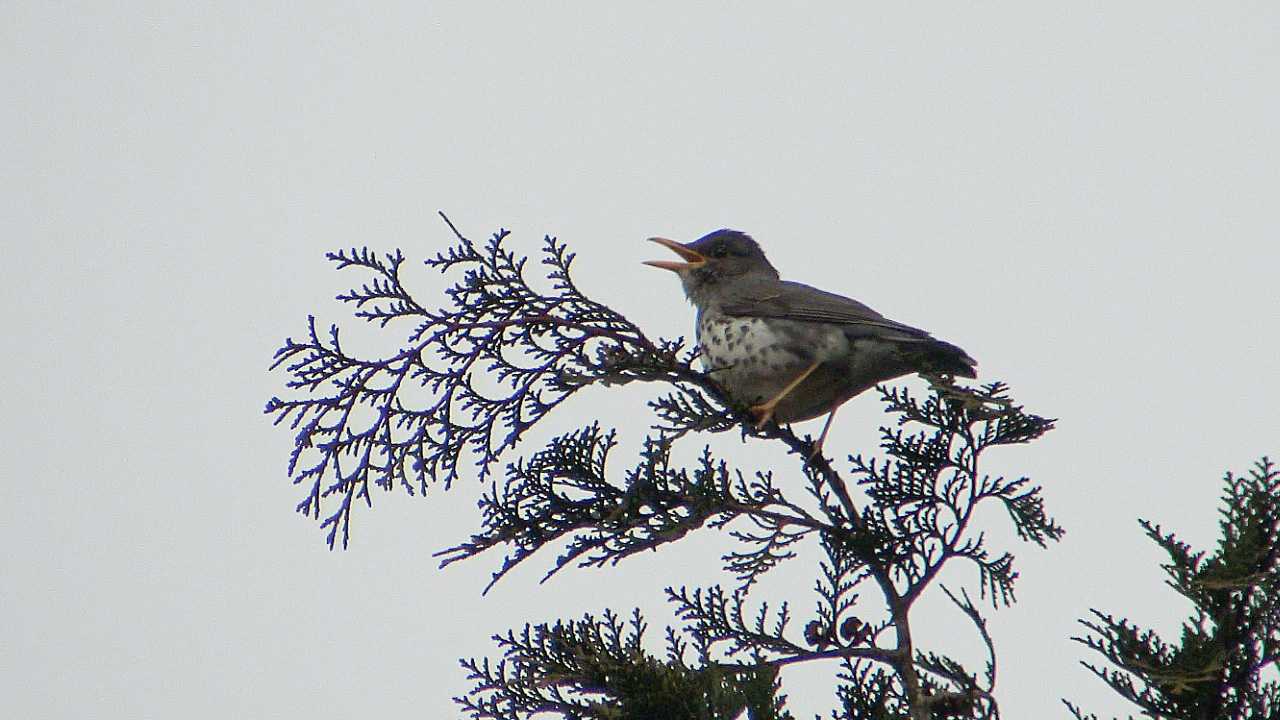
pixel 795 301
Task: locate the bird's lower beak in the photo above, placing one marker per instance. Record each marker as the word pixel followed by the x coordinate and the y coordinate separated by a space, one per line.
pixel 693 259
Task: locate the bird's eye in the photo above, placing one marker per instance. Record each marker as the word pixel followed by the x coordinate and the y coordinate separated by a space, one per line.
pixel 719 251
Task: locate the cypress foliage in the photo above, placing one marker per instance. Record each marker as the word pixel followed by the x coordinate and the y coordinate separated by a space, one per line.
pixel 504 352
pixel 1215 670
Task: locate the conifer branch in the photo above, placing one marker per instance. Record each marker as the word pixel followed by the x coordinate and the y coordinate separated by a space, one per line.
pixel 1215 669
pixel 471 378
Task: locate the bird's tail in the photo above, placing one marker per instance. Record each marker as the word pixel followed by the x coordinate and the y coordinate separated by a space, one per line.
pixel 940 357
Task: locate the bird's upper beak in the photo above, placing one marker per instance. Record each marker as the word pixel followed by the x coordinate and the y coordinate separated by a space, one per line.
pixel 693 259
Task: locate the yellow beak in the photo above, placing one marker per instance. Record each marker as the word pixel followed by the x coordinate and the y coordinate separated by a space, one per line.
pixel 693 259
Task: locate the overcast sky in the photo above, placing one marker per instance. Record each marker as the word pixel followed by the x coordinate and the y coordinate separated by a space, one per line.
pixel 1083 196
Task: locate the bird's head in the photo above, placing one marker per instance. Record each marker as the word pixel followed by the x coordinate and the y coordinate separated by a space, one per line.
pixel 712 259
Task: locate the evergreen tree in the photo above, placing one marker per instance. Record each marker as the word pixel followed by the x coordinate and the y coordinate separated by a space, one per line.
pixel 1216 669
pixel 503 353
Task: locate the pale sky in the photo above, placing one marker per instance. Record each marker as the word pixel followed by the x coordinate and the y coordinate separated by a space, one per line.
pixel 1083 196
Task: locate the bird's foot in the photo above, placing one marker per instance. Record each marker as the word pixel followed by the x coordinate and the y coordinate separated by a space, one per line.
pixel 764 411
pixel 826 427
pixel 762 414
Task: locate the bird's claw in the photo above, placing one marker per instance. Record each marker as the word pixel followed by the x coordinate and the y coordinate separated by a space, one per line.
pixel 761 414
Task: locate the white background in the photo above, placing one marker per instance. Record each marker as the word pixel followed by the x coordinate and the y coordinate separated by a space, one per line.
pixel 1081 195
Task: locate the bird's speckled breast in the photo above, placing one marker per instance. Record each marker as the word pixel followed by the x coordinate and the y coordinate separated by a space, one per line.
pixel 754 359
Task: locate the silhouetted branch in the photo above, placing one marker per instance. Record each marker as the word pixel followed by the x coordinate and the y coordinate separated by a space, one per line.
pixel 471 378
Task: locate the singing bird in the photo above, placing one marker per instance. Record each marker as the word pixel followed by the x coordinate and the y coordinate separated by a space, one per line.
pixel 790 351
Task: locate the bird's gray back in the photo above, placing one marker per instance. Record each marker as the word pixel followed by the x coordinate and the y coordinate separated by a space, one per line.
pixel 762 297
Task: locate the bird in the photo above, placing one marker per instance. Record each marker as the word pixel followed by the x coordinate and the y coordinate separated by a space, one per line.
pixel 788 351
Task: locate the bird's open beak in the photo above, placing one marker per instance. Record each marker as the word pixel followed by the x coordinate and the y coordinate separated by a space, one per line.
pixel 693 259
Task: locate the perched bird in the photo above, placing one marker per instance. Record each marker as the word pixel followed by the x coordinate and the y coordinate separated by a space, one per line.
pixel 790 351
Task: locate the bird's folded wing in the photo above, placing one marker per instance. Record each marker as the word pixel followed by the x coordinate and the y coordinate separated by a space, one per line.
pixel 796 301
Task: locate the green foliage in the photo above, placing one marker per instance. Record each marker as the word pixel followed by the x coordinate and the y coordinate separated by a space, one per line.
pixel 1214 670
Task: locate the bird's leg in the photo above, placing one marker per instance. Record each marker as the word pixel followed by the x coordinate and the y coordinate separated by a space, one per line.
pixel 764 411
pixel 817 447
